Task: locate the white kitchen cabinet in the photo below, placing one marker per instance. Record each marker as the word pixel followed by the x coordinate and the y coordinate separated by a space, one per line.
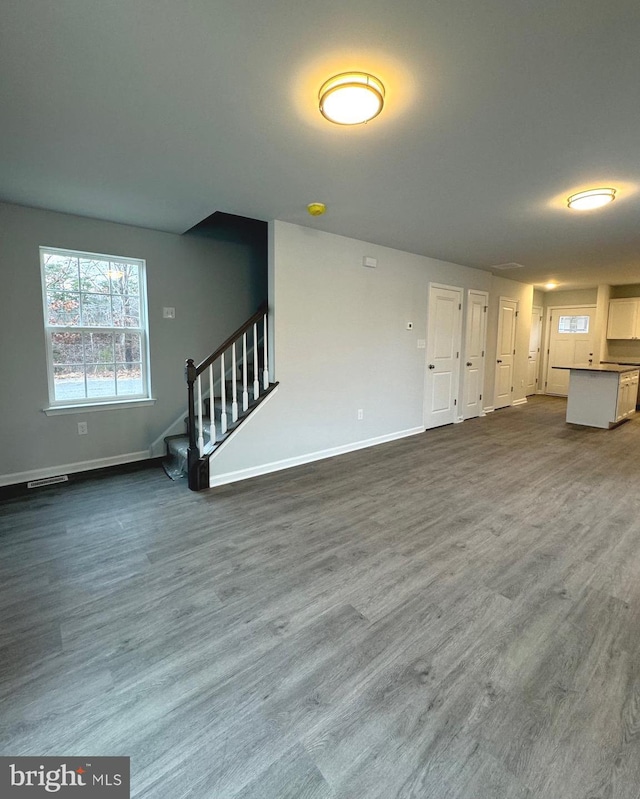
pixel 627 395
pixel 624 318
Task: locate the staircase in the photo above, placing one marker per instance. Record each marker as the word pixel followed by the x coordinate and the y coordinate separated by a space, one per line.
pixel 222 392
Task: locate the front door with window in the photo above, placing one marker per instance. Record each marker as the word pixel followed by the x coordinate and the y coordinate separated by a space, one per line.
pixel 570 344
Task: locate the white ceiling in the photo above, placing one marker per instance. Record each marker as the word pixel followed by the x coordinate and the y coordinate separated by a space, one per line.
pixel 158 113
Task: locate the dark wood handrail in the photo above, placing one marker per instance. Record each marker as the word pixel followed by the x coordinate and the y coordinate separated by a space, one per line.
pixel 196 473
pixel 233 337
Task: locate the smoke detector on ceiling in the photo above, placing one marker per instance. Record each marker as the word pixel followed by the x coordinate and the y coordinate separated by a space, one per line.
pixel 511 265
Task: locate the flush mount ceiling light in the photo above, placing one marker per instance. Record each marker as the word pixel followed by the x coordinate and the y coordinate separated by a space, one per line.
pixel 551 286
pixel 351 98
pixel 594 198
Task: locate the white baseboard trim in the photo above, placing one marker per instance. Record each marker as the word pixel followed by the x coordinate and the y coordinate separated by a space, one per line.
pixel 300 460
pixel 489 409
pixel 522 401
pixel 72 468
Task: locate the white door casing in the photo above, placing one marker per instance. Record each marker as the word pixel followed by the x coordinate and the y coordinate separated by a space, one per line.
pixel 474 350
pixel 533 363
pixel 444 330
pixel 567 348
pixel 505 352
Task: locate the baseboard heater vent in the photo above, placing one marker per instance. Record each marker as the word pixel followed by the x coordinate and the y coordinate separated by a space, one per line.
pixel 47 481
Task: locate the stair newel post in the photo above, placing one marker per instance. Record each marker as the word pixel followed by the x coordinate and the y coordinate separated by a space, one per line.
pixel 223 396
pixel 265 373
pixel 212 408
pixel 200 425
pixel 245 392
pixel 234 385
pixel 256 374
pixel 192 452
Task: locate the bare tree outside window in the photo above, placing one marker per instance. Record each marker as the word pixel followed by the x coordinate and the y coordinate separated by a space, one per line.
pixel 95 321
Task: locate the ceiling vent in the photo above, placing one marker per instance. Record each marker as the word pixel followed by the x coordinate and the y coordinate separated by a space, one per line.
pixel 512 265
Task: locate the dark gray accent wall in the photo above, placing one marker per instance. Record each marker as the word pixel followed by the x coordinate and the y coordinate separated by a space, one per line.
pixel 214 285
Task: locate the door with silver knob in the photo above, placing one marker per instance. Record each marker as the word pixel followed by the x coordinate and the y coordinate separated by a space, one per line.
pixel 474 353
pixel 505 353
pixel 442 373
pixel 571 343
pixel 533 359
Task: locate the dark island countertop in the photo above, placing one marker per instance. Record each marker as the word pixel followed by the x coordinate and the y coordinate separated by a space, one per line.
pixel 602 367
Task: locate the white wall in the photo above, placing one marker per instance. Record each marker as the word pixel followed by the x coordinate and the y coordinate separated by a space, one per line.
pixel 341 344
pixel 213 285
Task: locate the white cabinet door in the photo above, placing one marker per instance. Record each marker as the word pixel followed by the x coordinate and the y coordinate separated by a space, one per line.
pixel 624 319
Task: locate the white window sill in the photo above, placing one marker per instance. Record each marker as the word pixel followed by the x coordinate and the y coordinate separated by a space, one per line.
pixel 55 410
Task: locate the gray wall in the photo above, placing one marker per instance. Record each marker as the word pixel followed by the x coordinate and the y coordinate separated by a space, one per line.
pixel 213 285
pixel 571 298
pixel 341 344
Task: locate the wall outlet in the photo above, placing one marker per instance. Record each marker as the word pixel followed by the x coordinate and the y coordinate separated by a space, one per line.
pixel 82 429
pixel 360 414
pixel 421 343
pixel 168 313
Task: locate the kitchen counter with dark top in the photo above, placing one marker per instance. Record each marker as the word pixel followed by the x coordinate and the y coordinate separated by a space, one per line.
pixel 615 368
pixel 601 395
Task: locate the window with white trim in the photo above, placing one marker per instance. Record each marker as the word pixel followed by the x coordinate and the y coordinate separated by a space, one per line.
pixel 95 318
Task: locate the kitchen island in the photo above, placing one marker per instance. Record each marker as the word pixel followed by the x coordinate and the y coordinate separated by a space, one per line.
pixel 601 396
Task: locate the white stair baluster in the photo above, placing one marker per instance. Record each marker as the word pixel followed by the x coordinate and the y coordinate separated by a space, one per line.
pixel 223 397
pixel 234 388
pixel 200 429
pixel 265 373
pixel 212 408
pixel 245 393
pixel 256 380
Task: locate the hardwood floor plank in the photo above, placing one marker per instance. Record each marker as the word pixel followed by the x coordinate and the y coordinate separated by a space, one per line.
pixel 453 615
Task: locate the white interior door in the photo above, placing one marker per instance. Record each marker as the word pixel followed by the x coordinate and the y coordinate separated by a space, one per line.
pixel 443 355
pixel 505 352
pixel 474 347
pixel 570 344
pixel 533 364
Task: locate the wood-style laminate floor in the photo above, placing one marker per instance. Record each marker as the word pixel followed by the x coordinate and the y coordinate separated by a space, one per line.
pixel 455 615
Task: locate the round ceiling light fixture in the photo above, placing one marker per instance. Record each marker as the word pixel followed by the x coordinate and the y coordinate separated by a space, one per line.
pixel 351 98
pixel 550 285
pixel 594 198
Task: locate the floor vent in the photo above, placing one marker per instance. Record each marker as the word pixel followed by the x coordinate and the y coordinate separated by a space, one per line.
pixel 512 265
pixel 47 481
